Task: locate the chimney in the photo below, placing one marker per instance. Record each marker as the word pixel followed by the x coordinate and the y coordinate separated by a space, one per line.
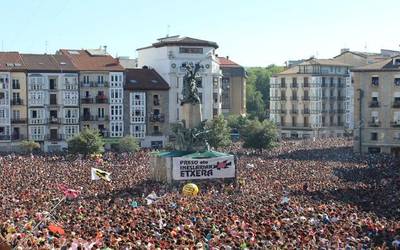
pixel 227 57
pixel 105 49
pixel 344 50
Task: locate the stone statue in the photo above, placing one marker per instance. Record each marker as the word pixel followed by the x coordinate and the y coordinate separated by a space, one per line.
pixel 190 92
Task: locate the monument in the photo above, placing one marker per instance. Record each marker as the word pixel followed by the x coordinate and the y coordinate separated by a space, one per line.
pixel 191 158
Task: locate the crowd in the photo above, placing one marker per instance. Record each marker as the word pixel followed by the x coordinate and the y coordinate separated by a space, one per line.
pixel 299 195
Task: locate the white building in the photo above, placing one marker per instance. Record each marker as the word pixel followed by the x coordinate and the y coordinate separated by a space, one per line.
pixel 168 57
pixel 5 118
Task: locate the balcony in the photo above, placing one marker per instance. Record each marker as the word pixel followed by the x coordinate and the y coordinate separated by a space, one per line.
pixel 294 85
pixel 332 98
pixel 396 105
pixel 332 85
pixel 293 98
pixel 340 124
pixel 324 97
pixel 283 98
pixel 332 111
pixel 283 111
pixel 101 99
pixel 374 104
pixel 306 85
pixel 341 98
pixel 94 84
pixel 17 101
pixel 156 133
pixel 94 118
pixel 374 124
pixel 54 120
pixel 19 120
pixel 306 98
pixel 283 85
pixel 157 118
pixel 87 100
pixel 70 120
pixel 156 102
pixel 305 111
pixel 5 137
pixel 294 111
pixel 341 111
pixel 395 124
pixel 58 137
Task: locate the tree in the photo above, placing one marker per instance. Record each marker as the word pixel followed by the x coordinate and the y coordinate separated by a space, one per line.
pixel 29 146
pixel 126 144
pixel 218 132
pixel 86 142
pixel 255 103
pixel 260 135
pixel 237 122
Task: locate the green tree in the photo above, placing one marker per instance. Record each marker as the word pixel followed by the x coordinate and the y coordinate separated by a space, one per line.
pixel 260 135
pixel 238 122
pixel 86 142
pixel 29 146
pixel 126 144
pixel 218 132
pixel 255 103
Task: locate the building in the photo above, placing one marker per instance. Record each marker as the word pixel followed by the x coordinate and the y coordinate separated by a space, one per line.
pixel 146 103
pixel 13 112
pixel 377 107
pixel 233 97
pixel 53 100
pixel 101 80
pixel 169 55
pixel 308 99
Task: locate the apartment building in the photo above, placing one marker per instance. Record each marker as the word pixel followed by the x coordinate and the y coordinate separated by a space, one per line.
pixel 169 55
pixel 233 85
pixel 146 103
pixel 308 100
pixel 377 107
pixel 13 122
pixel 101 80
pixel 53 100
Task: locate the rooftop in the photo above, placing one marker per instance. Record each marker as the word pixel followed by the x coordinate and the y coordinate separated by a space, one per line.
pixel 181 41
pixel 389 64
pixel 225 62
pixel 92 60
pixel 144 79
pixel 46 62
pixel 11 61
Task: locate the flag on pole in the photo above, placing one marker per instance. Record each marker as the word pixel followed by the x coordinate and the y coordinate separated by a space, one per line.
pixel 98 174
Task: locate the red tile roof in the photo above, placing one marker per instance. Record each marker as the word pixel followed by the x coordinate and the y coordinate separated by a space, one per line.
pixel 226 62
pixel 11 61
pixel 144 79
pixel 85 61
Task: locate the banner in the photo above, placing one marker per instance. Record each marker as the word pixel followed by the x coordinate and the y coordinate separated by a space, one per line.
pixel 97 174
pixel 184 168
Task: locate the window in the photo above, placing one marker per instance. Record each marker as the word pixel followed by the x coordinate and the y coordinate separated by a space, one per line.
pixel 100 79
pixel 15 84
pixel 52 84
pixel 305 82
pixel 185 50
pixel 85 79
pixel 374 136
pixel 397 81
pixel 156 100
pixel 323 81
pixel 34 114
pixel 156 129
pixel 294 121
pixel 375 80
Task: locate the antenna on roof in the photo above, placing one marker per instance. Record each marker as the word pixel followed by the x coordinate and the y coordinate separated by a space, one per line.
pixel 45 46
pixel 365 46
pixel 168 27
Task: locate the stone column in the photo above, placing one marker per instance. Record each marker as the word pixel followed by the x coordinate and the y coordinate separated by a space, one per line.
pixel 191 115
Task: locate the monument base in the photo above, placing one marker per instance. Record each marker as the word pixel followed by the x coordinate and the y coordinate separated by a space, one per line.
pixel 191 115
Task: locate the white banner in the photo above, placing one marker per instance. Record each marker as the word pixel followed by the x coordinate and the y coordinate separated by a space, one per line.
pixel 210 168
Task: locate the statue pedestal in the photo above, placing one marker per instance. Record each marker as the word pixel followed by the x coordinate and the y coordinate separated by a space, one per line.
pixel 191 114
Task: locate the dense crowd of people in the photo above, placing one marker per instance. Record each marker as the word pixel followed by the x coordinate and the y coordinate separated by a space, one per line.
pixel 301 194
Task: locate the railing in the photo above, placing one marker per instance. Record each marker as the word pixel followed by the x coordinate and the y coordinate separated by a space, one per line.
pixel 341 98
pixel 156 102
pixel 283 98
pixel 283 85
pixel 94 118
pixel 332 85
pixel 294 85
pixel 5 137
pixel 332 98
pixel 37 121
pixel 374 104
pixel 305 111
pixel 101 99
pixel 17 101
pixel 395 124
pixel 396 105
pixel 19 120
pixel 332 111
pixel 293 98
pixel 306 85
pixel 55 120
pixel 374 123
pixel 87 100
pixel 157 118
pixel 341 111
pixel 283 111
pixel 156 133
pixel 58 137
pixel 340 124
pixel 94 84
pixel 294 111
pixel 306 98
pixel 70 120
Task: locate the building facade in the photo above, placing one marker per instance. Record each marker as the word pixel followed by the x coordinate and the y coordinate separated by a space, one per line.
pixel 53 100
pixel 101 80
pixel 377 107
pixel 233 85
pixel 169 56
pixel 308 100
pixel 146 102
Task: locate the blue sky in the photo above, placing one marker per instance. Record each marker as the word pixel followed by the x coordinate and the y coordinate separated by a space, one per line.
pixel 252 32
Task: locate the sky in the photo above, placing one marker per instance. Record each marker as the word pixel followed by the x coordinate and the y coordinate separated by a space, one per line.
pixel 250 32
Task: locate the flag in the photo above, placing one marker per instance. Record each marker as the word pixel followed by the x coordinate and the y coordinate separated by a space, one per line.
pixel 98 174
pixel 151 198
pixel 68 192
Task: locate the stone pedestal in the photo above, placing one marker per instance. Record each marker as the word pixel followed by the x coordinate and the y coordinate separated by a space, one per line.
pixel 191 115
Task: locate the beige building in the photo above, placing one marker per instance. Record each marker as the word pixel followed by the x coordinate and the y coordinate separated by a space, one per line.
pixel 233 96
pixel 307 100
pixel 146 103
pixel 377 107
